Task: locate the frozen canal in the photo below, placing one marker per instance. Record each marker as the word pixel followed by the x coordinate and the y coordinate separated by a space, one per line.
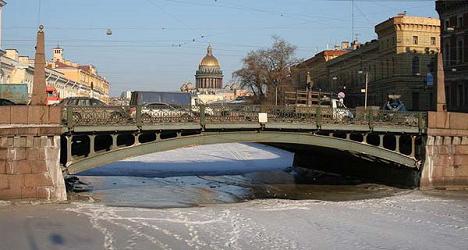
pixel 406 221
pixel 182 199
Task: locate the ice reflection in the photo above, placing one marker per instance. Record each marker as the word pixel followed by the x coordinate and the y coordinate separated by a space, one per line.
pixel 223 173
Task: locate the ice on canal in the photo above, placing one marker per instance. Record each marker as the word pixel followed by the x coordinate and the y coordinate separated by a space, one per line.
pixel 407 221
pixel 222 159
pixel 187 177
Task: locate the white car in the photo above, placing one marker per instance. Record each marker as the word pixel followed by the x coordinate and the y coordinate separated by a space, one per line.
pixel 208 110
pixel 160 110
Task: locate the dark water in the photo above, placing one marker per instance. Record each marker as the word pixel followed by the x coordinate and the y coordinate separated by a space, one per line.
pixel 196 190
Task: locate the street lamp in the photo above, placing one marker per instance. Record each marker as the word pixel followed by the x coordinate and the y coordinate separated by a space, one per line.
pixel 334 78
pixel 367 87
pixel 275 83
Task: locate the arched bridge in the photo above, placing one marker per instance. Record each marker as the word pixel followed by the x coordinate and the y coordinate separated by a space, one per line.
pixel 95 136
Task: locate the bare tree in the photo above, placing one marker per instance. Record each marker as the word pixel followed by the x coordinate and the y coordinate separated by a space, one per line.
pixel 266 70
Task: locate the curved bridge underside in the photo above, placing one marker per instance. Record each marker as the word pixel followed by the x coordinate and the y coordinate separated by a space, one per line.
pixel 359 148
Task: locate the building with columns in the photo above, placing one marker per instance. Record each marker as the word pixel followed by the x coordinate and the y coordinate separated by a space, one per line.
pixel 86 75
pixel 209 74
pixel 19 69
pixel 209 87
pixel 313 72
pixel 401 61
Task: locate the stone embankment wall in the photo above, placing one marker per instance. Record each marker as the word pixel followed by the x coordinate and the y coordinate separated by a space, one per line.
pixel 446 162
pixel 29 154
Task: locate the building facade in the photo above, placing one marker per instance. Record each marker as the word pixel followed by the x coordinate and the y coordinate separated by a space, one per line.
pixel 86 75
pixel 400 62
pixel 454 36
pixel 18 69
pixel 209 74
pixel 313 72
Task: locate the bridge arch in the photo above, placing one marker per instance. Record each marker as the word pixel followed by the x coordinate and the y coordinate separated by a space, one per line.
pixel 205 138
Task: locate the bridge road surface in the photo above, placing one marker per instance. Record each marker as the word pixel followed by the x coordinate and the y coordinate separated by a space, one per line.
pixel 410 220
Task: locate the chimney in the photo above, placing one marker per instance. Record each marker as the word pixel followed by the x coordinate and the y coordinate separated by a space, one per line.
pixel 345 45
pixel 356 44
pixel 401 14
pixel 12 54
pixel 24 60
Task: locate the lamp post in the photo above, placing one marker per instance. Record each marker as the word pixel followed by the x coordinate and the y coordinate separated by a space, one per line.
pixel 275 83
pixel 366 88
pixel 334 78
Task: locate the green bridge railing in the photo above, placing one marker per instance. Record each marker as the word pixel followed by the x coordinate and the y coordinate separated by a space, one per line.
pixel 203 115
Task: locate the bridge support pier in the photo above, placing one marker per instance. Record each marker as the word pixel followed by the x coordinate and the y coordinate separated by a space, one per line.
pixel 397 143
pixel 114 142
pixel 446 163
pixel 29 163
pixel 92 139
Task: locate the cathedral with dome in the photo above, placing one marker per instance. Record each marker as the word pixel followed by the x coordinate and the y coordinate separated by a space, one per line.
pixel 209 74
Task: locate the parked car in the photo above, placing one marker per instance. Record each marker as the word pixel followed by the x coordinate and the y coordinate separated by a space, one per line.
pixel 16 93
pixel 81 101
pixel 112 114
pixel 162 110
pixel 239 100
pixel 6 102
pixel 171 98
pixel 330 107
pixel 208 110
pixel 394 104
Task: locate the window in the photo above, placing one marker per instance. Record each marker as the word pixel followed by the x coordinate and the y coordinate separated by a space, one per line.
pixel 433 41
pixel 460 95
pixel 415 65
pixel 460 58
pixel 415 100
pixel 466 92
pixel 447 53
pixel 415 40
pixel 460 22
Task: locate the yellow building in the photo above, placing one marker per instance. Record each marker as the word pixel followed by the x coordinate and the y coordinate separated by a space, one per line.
pixel 85 75
pixel 313 72
pixel 401 61
pixel 19 69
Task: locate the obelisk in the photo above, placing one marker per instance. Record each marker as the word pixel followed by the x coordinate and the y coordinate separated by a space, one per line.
pixel 39 95
pixel 441 99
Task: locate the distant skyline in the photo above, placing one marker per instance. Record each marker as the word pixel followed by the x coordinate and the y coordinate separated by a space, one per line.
pixel 158 44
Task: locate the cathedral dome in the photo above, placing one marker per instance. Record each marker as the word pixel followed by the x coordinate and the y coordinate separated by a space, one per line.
pixel 209 60
pixel 209 74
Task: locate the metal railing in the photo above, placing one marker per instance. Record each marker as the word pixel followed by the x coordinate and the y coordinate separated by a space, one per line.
pixel 237 114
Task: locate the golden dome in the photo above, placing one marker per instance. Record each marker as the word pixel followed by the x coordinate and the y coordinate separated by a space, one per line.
pixel 209 60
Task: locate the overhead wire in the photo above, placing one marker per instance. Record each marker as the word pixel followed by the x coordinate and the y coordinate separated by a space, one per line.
pixel 185 42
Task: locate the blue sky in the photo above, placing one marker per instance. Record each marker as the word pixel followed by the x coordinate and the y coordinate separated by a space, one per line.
pixel 157 44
